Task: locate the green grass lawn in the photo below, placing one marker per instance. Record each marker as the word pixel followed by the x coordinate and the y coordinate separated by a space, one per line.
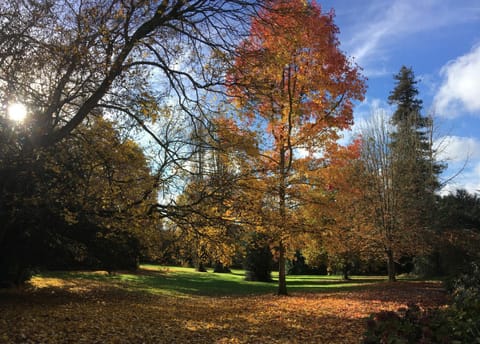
pixel 179 281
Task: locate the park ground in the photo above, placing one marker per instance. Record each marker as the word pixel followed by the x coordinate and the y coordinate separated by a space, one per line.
pixel 178 305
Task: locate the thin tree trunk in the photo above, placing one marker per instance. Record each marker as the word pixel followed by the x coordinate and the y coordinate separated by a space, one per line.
pixel 345 269
pixel 201 267
pixel 391 266
pixel 282 281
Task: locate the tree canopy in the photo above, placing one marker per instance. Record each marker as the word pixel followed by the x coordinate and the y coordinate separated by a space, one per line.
pixel 67 59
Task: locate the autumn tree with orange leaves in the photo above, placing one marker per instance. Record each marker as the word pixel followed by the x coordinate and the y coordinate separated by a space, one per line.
pixel 339 210
pixel 292 85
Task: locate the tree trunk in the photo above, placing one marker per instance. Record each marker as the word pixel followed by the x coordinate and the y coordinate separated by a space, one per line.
pixel 201 267
pixel 282 281
pixel 391 266
pixel 345 269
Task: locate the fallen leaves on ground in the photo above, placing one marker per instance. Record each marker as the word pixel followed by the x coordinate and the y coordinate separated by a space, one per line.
pixel 97 312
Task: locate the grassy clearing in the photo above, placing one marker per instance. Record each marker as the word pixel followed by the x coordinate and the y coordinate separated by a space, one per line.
pixel 179 281
pixel 178 305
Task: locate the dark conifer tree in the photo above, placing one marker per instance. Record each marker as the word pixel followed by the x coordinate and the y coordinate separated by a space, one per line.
pixel 415 170
pixel 404 96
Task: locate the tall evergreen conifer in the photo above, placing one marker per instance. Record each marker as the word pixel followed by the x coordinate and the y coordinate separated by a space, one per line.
pixel 415 171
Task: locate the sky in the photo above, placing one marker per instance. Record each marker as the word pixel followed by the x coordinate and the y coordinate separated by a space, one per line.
pixel 440 41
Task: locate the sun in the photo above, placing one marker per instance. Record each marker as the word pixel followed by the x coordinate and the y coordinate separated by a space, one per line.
pixel 17 112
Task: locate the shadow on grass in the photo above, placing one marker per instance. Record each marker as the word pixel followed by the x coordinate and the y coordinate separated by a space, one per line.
pixel 199 283
pixel 330 283
pixel 186 282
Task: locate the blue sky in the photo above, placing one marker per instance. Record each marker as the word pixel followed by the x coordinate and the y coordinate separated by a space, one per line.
pixel 440 40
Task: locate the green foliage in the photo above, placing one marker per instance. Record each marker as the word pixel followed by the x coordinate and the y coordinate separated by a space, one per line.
pixel 415 171
pixel 86 245
pixel 405 95
pixel 464 315
pixel 258 260
pixel 465 289
pixel 456 238
pixel 403 174
pixel 458 211
pixel 117 251
pixel 297 265
pixel 80 204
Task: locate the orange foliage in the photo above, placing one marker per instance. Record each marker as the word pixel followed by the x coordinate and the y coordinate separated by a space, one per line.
pixel 337 207
pixel 294 87
pixel 292 74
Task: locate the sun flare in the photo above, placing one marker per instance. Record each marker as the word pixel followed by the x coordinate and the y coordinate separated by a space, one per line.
pixel 17 112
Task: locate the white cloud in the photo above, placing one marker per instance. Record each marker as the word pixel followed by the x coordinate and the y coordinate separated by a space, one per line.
pixel 462 154
pixel 390 21
pixel 457 149
pixel 368 41
pixel 468 179
pixel 368 108
pixel 460 89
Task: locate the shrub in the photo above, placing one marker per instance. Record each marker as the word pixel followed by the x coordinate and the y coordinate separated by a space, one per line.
pixel 459 323
pixel 465 289
pixel 464 314
pixel 221 269
pixel 298 266
pixel 408 325
pixel 14 274
pixel 258 260
pixel 115 251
